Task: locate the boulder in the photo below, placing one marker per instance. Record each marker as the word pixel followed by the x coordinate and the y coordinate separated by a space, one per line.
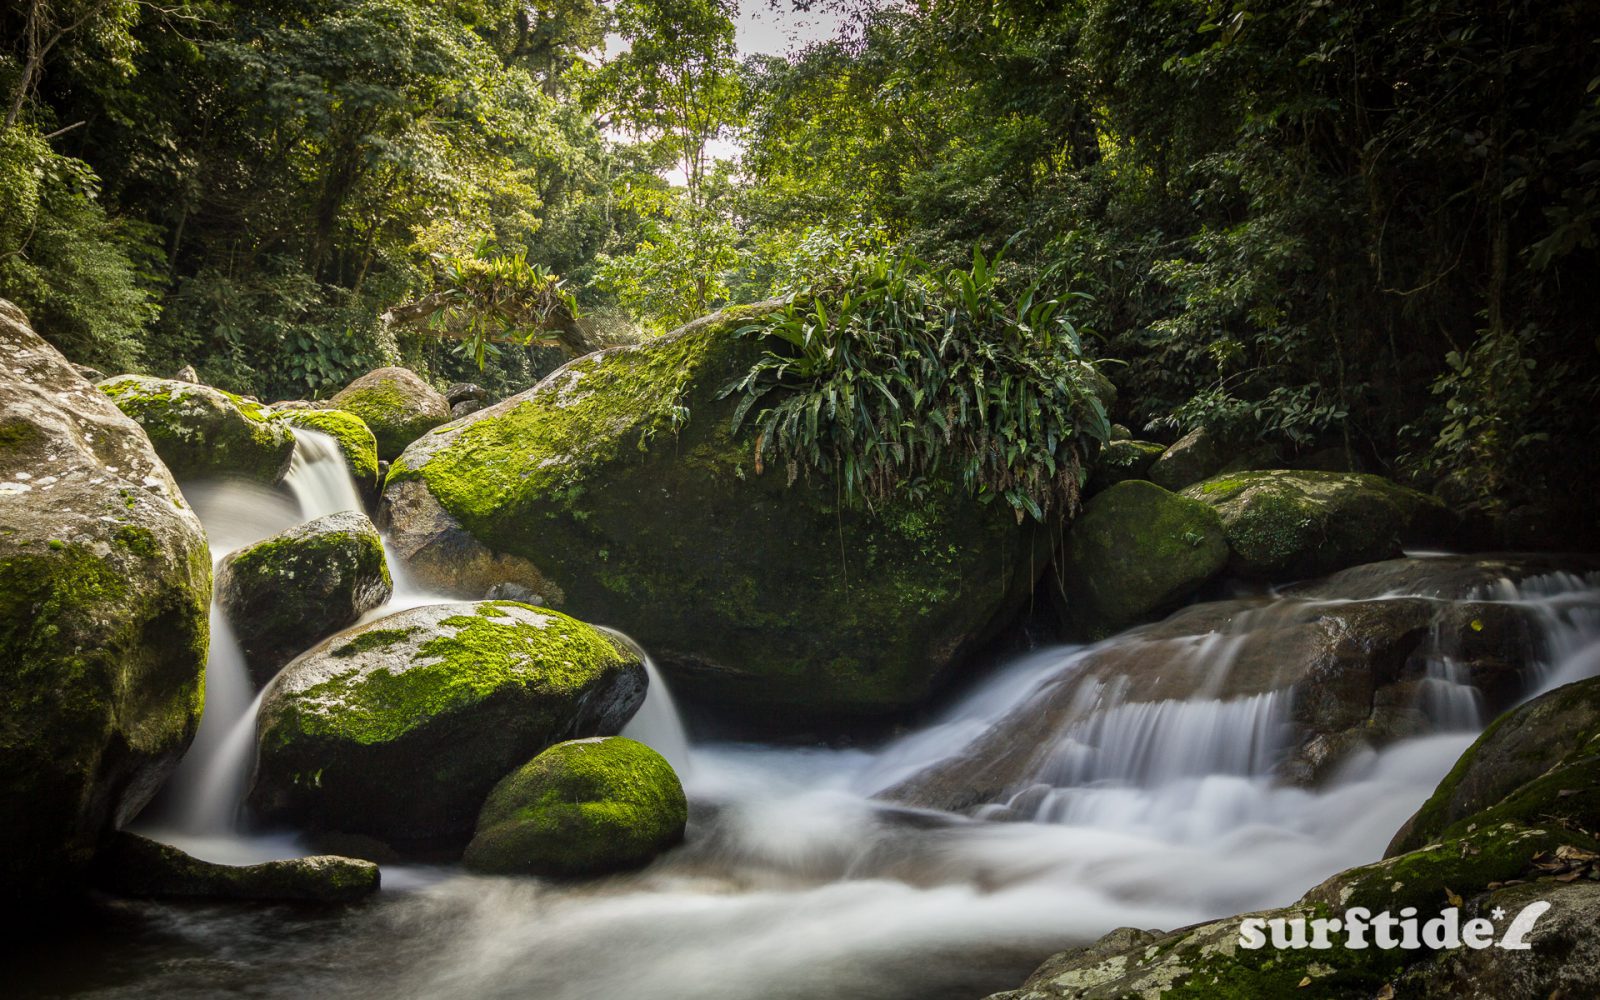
pixel 584 807
pixel 104 584
pixel 462 392
pixel 132 865
pixel 1197 455
pixel 1120 461
pixel 1135 550
pixel 396 404
pixel 353 437
pixel 1539 763
pixel 203 433
pixel 92 374
pixel 1289 524
pixel 186 374
pixel 617 490
pixel 284 593
pixel 466 406
pixel 397 729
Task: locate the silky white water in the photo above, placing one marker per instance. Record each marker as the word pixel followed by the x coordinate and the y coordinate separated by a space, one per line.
pixel 802 878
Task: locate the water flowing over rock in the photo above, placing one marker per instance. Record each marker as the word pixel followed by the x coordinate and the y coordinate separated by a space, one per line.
pixel 204 433
pixel 1137 549
pixel 617 491
pixel 1287 525
pixel 356 442
pixel 104 583
pixel 1314 677
pixel 397 729
pixel 582 807
pixel 284 593
pixel 396 404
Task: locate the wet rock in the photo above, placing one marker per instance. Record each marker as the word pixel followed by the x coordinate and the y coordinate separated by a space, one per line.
pixel 583 807
pixel 131 865
pixel 284 593
pixel 396 404
pixel 201 432
pixel 1286 525
pixel 104 583
pixel 593 490
pixel 1135 550
pixel 398 728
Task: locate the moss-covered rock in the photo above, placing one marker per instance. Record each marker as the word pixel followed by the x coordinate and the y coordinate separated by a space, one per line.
pixel 284 593
pixel 1197 455
pixel 132 865
pixel 1135 550
pixel 1285 525
pixel 616 490
pixel 583 807
pixel 104 583
pixel 397 729
pixel 396 404
pixel 201 432
pixel 355 440
pixel 1121 461
pixel 1538 763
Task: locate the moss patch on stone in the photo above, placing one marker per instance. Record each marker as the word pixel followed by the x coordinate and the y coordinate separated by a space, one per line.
pixel 580 808
pixel 396 404
pixel 201 432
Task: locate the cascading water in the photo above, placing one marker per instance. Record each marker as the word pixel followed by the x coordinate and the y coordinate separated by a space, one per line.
pixel 1142 780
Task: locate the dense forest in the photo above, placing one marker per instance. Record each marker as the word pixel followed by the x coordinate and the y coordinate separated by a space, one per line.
pixel 1302 225
pixel 583 498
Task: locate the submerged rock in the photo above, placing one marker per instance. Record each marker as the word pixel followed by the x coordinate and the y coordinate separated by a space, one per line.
pixel 284 593
pixel 131 865
pixel 201 432
pixel 397 729
pixel 354 437
pixel 104 583
pixel 583 807
pixel 396 404
pixel 1287 524
pixel 617 491
pixel 1137 549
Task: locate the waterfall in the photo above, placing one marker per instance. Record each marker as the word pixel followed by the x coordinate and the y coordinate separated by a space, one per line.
pixel 657 724
pixel 318 476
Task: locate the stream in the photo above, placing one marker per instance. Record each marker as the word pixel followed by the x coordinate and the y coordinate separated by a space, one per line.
pixel 813 872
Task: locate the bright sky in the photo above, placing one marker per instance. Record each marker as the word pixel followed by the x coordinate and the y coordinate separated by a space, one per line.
pixel 761 30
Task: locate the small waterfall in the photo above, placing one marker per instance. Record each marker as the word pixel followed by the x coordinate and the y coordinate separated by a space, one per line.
pixel 202 798
pixel 318 476
pixel 657 724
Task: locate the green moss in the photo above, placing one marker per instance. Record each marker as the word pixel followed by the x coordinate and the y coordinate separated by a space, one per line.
pixel 139 541
pixel 378 638
pixel 199 431
pixel 396 413
pixel 581 807
pixel 487 651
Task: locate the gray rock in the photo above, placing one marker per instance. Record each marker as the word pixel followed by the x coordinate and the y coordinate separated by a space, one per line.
pixel 104 583
pixel 284 593
pixel 131 865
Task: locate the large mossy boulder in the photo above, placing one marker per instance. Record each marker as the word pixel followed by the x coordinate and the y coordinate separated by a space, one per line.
pixel 132 865
pixel 203 433
pixel 1136 550
pixel 104 583
pixel 1538 763
pixel 584 807
pixel 397 729
pixel 283 593
pixel 396 404
pixel 1289 524
pixel 617 490
pixel 1199 454
pixel 354 438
